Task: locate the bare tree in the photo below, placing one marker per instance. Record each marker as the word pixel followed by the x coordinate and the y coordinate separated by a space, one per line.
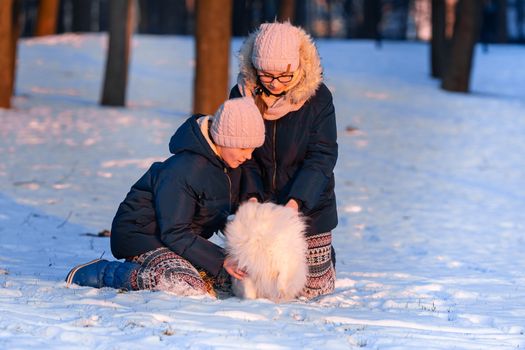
pixel 466 32
pixel 6 7
pixel 46 22
pixel 242 14
pixel 520 14
pixel 502 33
pixel 286 11
pixel 121 17
pixel 82 15
pixel 212 53
pixel 9 31
pixel 372 15
pixel 15 34
pixel 300 14
pixel 404 6
pixel 438 41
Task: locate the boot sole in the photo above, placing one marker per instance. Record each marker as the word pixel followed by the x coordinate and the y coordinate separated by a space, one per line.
pixel 71 274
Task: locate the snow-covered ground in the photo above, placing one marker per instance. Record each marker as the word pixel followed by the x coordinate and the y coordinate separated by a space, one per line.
pixel 430 186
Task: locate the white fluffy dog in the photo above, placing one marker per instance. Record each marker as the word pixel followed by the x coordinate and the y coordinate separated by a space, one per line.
pixel 267 241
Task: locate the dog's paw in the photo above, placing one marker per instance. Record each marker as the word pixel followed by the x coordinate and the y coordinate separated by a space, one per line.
pixel 244 289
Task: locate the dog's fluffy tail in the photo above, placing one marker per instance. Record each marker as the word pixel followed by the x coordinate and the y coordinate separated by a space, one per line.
pixel 268 242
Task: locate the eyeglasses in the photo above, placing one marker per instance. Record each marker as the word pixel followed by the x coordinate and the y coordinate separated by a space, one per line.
pixel 284 79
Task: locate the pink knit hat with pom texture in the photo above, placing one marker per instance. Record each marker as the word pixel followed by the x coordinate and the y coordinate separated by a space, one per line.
pixel 276 47
pixel 238 124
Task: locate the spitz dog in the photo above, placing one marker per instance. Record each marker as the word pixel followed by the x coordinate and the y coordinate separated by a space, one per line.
pixel 268 242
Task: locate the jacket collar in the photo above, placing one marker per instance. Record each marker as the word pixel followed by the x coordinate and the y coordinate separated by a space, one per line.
pixel 190 137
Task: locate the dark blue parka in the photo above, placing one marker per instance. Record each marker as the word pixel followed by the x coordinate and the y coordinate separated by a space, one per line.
pixel 300 149
pixel 179 203
pixel 297 161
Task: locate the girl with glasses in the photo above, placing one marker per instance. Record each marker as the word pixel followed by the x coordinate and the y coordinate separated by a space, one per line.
pixel 280 69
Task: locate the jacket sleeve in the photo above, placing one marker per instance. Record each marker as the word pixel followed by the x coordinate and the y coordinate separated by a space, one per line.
pixel 321 156
pixel 175 204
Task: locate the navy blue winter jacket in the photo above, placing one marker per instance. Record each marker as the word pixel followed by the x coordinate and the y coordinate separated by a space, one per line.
pixel 179 203
pixel 297 161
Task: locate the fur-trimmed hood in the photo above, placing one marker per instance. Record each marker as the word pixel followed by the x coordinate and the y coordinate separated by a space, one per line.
pixel 310 70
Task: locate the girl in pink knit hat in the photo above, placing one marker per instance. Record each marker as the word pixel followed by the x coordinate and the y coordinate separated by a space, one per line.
pixel 162 227
pixel 280 69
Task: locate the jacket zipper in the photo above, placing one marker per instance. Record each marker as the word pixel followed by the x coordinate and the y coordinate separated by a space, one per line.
pixel 274 156
pixel 230 190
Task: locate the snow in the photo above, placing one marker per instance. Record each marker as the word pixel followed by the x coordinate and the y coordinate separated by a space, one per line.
pixel 430 187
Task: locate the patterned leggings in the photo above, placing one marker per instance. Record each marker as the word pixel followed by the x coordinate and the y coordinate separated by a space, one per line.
pixel 321 272
pixel 162 269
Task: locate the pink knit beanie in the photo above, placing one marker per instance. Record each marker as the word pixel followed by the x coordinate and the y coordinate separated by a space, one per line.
pixel 238 124
pixel 276 47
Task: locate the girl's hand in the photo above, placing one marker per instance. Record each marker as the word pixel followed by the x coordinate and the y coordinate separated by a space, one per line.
pixel 253 199
pixel 233 269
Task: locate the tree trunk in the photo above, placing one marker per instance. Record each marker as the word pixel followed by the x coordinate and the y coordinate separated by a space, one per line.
pixel 103 15
pixel 350 18
pixel 502 34
pixel 286 11
pixel 15 34
pixel 143 23
pixel 405 11
pixel 212 53
pixel 300 15
pixel 520 14
pixel 6 56
pixel 371 20
pixel 64 16
pixel 243 19
pixel 466 31
pixel 121 15
pixel 82 15
pixel 46 22
pixel 438 42
pixel 175 17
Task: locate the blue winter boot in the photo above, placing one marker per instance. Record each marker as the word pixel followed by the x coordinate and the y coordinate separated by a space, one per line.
pixel 100 273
